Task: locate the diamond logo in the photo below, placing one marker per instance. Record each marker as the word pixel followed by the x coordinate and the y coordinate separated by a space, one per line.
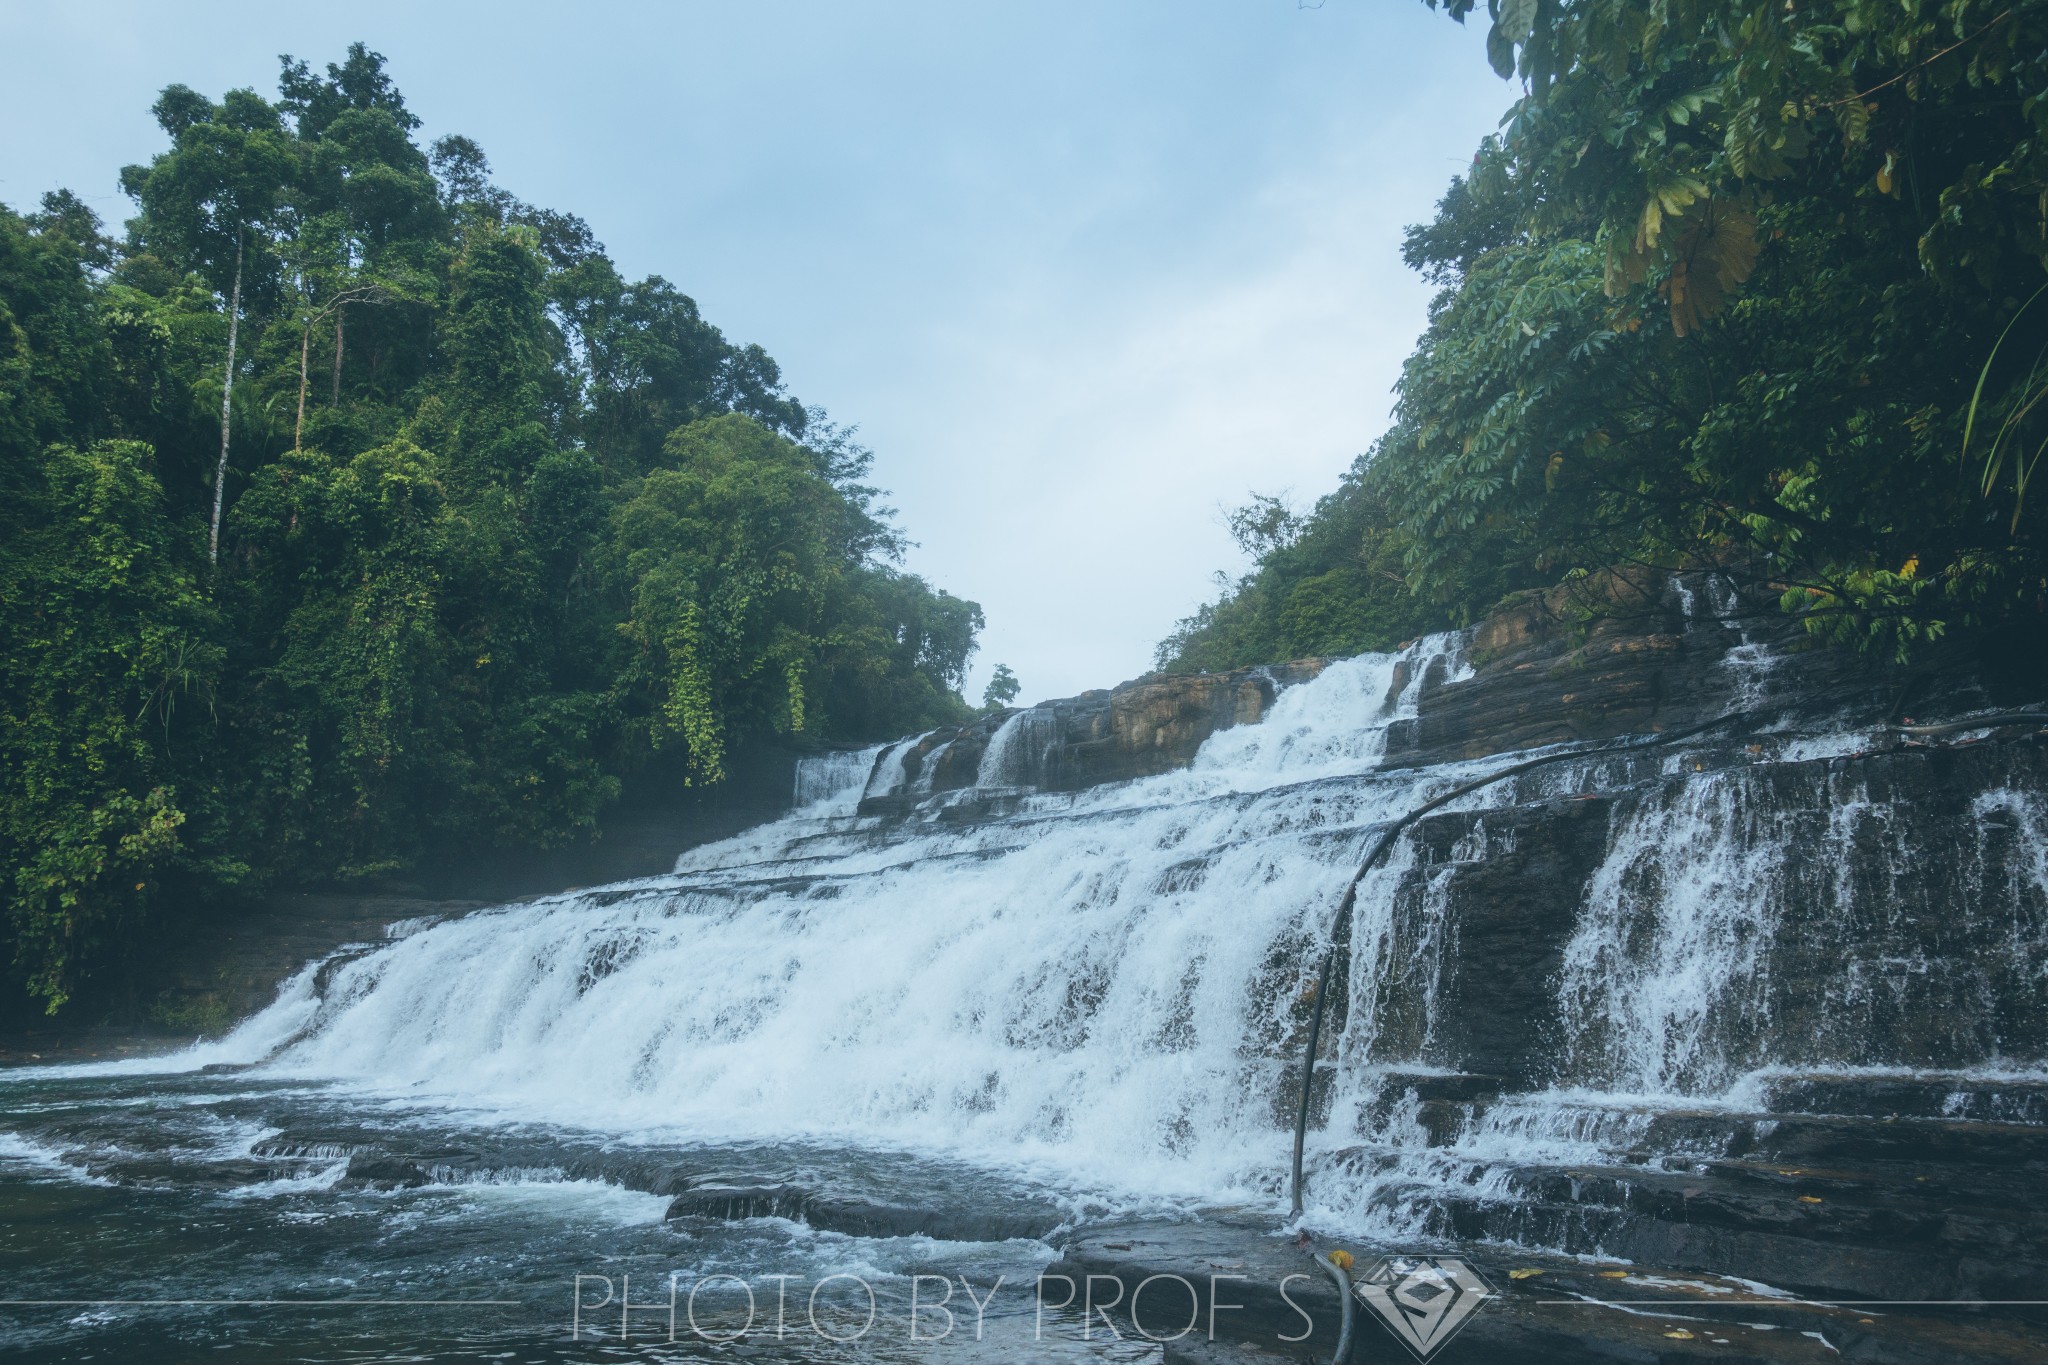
pixel 1423 1300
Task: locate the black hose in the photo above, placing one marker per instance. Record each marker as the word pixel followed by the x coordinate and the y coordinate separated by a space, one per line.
pixel 1379 851
pixel 1343 1279
pixel 1348 904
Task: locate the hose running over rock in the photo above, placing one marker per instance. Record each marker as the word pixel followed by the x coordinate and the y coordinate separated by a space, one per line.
pixel 1379 851
pixel 1343 1279
pixel 1385 842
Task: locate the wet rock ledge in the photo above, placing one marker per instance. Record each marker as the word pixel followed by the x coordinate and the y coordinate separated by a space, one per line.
pixel 1141 728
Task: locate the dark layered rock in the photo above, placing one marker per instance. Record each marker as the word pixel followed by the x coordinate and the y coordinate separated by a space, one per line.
pixel 1635 652
pixel 2014 1101
pixel 1872 1234
pixel 1628 652
pixel 1470 1003
pixel 861 1215
pixel 1158 722
pixel 1889 869
pixel 1141 728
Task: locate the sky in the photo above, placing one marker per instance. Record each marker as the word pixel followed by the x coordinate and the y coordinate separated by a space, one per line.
pixel 1084 273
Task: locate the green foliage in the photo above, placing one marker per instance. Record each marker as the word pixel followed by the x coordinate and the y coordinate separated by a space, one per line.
pixel 502 527
pixel 1331 582
pixel 1741 283
pixel 730 558
pixel 1002 689
pixel 111 664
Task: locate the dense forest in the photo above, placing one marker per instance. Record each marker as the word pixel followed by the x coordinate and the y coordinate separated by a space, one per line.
pixel 353 508
pixel 1754 285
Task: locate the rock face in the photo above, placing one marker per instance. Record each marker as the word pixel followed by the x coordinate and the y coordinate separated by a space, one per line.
pixel 1874 911
pixel 1768 1008
pixel 1625 653
pixel 1139 729
pixel 1638 652
pixel 1869 907
pixel 1907 864
pixel 1157 723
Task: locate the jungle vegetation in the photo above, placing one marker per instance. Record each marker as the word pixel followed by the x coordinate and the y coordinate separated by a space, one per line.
pixel 1753 285
pixel 351 508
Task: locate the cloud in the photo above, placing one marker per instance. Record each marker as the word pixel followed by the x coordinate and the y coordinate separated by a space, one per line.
pixel 1074 436
pixel 1079 272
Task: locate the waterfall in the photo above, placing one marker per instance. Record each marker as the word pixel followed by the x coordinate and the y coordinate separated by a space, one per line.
pixel 1102 981
pixel 1112 984
pixel 1716 888
pixel 1749 662
pixel 921 785
pixel 832 784
pixel 1015 756
pixel 889 768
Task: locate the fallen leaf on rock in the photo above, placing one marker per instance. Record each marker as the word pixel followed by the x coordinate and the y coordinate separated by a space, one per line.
pixel 1525 1273
pixel 1809 1199
pixel 1679 1334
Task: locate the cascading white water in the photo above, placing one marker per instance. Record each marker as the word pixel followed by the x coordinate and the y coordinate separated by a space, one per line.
pixel 1715 886
pixel 1107 984
pixel 1100 982
pixel 921 785
pixel 1749 663
pixel 1015 756
pixel 889 772
pixel 1676 929
pixel 832 784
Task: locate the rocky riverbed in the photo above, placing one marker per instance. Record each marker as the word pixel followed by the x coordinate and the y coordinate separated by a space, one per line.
pixel 1729 1048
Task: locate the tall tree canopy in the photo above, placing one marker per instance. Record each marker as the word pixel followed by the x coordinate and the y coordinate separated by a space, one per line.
pixel 495 527
pixel 1753 284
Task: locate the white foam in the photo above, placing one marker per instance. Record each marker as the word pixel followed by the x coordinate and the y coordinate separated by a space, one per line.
pixel 1105 989
pixel 40 1158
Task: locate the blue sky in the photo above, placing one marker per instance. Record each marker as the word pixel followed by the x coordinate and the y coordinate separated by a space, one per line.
pixel 1083 273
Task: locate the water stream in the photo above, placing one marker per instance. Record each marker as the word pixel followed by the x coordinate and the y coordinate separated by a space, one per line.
pixel 1091 1000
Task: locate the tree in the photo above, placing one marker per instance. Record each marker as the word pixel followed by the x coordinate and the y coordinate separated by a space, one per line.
pixel 108 646
pixel 1731 286
pixel 548 527
pixel 1002 689
pixel 206 202
pixel 499 346
pixel 728 553
pixel 1741 285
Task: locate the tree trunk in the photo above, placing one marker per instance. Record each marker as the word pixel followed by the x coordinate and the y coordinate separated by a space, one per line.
pixel 305 344
pixel 335 395
pixel 227 391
